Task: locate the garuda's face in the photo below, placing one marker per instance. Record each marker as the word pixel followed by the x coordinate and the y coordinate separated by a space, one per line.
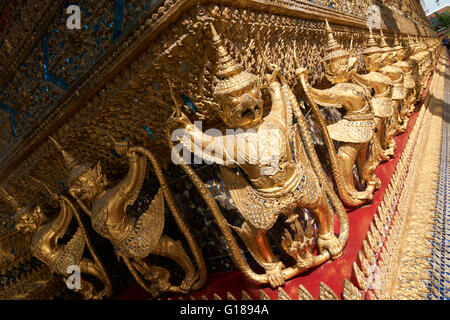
pixel 242 108
pixel 338 69
pixel 89 184
pixel 31 220
pixel 392 56
pixel 375 60
pixel 401 53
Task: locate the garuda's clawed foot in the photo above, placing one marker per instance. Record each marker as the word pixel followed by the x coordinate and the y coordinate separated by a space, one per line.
pixel 384 156
pixel 106 292
pixel 389 152
pixel 372 186
pixel 364 195
pixel 87 290
pixel 403 127
pixel 331 243
pixel 274 273
pixel 189 281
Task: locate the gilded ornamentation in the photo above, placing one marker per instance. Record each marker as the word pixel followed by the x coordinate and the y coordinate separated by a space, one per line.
pixel 375 57
pixel 364 264
pixel 80 86
pixel 402 270
pixel 263 295
pixel 303 294
pixel 368 252
pixel 44 243
pixel 351 292
pixel 230 296
pixel 282 295
pixel 270 190
pixel 354 131
pixel 118 105
pixel 360 277
pixel 245 296
pixel 133 239
pixel 398 94
pixel 326 293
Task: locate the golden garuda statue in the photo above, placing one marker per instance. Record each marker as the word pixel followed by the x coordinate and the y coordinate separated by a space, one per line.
pixel 398 94
pixel 135 239
pixel 354 132
pixel 407 107
pixel 433 49
pixel 375 57
pixel 419 59
pixel 59 257
pixel 264 175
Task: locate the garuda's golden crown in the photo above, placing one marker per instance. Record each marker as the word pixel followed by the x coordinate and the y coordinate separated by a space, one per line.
pixel 383 44
pixel 396 45
pixel 371 45
pixel 75 169
pixel 18 209
pixel 231 74
pixel 333 49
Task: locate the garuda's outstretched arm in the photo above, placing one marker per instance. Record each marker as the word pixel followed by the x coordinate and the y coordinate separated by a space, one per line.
pixel 215 147
pixel 361 79
pixel 131 184
pixel 326 97
pixel 62 221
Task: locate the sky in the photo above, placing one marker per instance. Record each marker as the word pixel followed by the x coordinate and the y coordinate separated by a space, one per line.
pixel 432 6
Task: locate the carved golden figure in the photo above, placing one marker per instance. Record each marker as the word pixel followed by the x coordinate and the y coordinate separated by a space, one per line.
pixel 354 131
pixel 433 48
pixel 134 239
pixel 277 184
pixel 420 59
pixel 44 244
pixel 426 61
pixel 375 58
pixel 409 84
pixel 398 95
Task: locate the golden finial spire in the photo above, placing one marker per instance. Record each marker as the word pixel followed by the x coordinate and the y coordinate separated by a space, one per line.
pixel 333 49
pixel 371 45
pixel 11 201
pixel 332 43
pixel 70 162
pixel 371 41
pixel 231 74
pixel 396 42
pixel 383 43
pixel 73 166
pixel 227 66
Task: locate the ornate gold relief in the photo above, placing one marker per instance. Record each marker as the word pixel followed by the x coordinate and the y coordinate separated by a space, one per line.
pixel 135 96
pixel 57 257
pixel 269 190
pixel 245 295
pixel 230 296
pixel 368 252
pixel 263 295
pixel 134 239
pixel 326 293
pixel 351 292
pixel 354 131
pixel 365 267
pixel 282 295
pixel 360 278
pixel 304 294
